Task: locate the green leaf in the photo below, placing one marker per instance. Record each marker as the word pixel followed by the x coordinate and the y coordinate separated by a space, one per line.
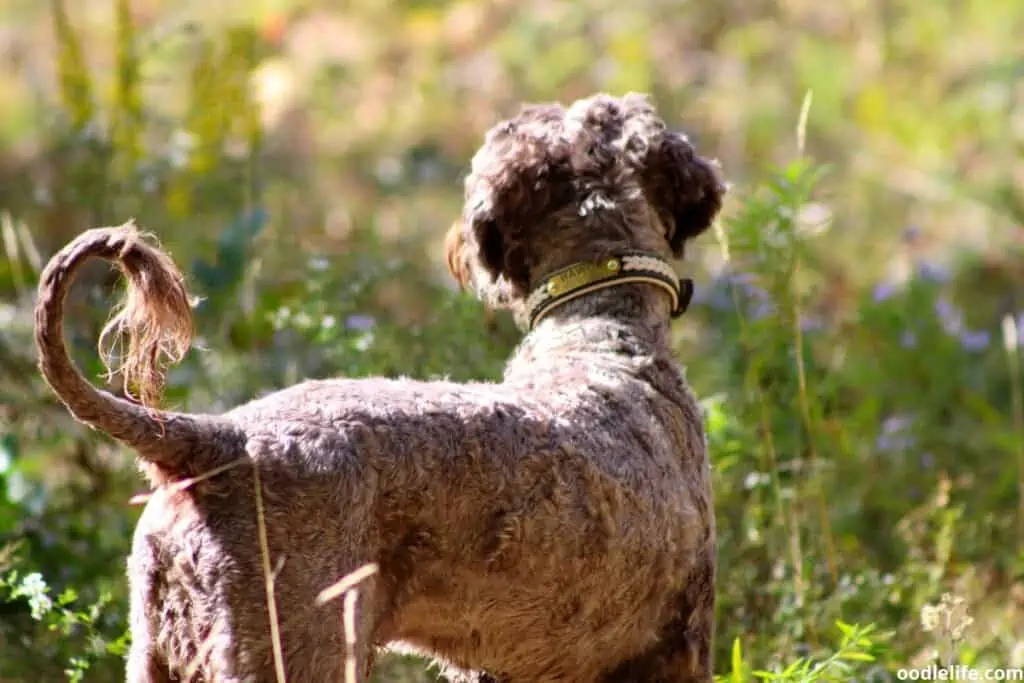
pixel 846 629
pixel 737 662
pixel 856 656
pixel 789 670
pixel 67 596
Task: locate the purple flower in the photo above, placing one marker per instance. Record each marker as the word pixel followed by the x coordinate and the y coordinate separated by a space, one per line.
pixel 736 277
pixel 909 339
pixel 882 292
pixel 754 298
pixel 895 434
pixel 950 317
pixel 932 272
pixel 972 340
pixel 762 310
pixel 896 423
pixel 754 292
pixel 360 322
pixel 746 283
pixel 714 296
pixel 719 296
pixel 911 234
pixel 810 323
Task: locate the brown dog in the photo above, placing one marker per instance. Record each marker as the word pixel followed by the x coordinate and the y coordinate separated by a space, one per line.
pixel 556 526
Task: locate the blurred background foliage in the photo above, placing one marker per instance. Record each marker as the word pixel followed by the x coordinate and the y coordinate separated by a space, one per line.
pixel 856 335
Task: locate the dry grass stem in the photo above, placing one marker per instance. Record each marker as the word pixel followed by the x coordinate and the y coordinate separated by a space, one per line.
pixel 268 577
pixel 351 598
pixel 350 580
pixel 185 484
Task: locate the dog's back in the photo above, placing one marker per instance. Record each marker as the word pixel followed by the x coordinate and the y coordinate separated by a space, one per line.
pixel 517 529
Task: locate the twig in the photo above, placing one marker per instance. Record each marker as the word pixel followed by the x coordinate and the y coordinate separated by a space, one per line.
pixel 349 586
pixel 268 576
pixel 348 582
pixel 351 597
pixel 183 484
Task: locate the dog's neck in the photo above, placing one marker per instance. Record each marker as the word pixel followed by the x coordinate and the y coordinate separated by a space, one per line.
pixel 628 322
pixel 644 309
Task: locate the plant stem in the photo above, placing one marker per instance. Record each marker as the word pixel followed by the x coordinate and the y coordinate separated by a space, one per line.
pixel 788 517
pixel 1011 343
pixel 809 427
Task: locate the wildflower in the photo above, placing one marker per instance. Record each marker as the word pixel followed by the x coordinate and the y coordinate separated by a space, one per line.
pixel 715 297
pixel 34 588
pixel 810 323
pixel 762 309
pixel 882 292
pixel 911 234
pixel 972 340
pixel 932 272
pixel 360 322
pixel 930 618
pixel 814 219
pixel 950 318
pixel 746 283
pixel 895 434
pixel 755 479
pixel 719 296
pixel 953 611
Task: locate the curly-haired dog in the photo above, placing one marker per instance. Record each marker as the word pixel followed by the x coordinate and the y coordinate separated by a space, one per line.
pixel 556 526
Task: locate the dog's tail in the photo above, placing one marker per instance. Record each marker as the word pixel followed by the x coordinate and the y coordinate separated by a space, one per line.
pixel 156 321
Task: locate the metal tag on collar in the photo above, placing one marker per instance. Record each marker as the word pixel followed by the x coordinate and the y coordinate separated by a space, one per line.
pixel 581 274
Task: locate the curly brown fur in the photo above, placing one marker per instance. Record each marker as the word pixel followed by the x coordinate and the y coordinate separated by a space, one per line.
pixel 555 526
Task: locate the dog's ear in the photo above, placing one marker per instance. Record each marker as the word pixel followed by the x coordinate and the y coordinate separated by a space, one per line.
pixel 687 187
pixel 520 175
pixel 455 254
pixel 684 188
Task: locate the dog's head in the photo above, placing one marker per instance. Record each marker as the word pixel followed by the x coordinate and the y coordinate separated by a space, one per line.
pixel 556 185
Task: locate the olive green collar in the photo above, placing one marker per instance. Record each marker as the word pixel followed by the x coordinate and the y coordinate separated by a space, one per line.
pixel 582 278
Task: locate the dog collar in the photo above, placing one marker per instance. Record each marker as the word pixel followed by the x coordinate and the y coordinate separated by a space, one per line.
pixel 582 278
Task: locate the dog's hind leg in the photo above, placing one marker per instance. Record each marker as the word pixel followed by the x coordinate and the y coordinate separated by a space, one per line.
pixel 683 654
pixel 145 664
pixel 333 641
pixel 147 667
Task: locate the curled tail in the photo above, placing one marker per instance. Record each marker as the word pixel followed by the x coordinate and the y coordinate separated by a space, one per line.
pixel 156 320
